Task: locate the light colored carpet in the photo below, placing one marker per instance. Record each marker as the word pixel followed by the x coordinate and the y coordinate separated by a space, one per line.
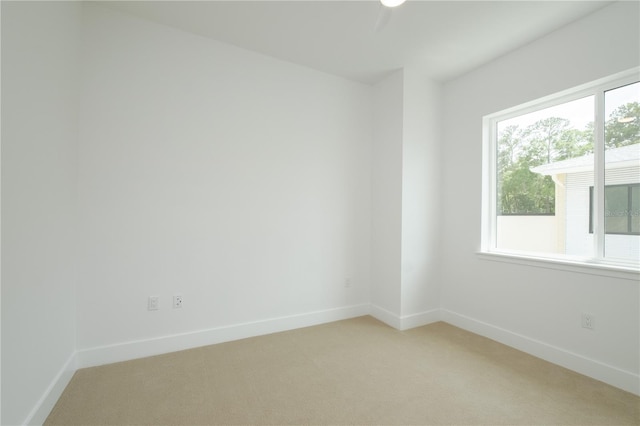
pixel 357 371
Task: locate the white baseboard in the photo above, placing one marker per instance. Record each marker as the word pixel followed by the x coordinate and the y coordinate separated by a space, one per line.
pixel 48 400
pixel 385 316
pixel 132 350
pixel 417 320
pixel 148 347
pixel 404 322
pixel 611 375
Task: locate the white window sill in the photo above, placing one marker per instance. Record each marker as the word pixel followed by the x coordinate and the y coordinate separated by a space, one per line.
pixel 582 267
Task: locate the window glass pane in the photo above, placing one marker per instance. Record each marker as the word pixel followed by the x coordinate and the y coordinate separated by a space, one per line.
pixel 539 156
pixel 622 172
pixel 616 209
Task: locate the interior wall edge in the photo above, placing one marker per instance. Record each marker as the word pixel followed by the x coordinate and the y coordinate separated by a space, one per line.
pixel 420 319
pixel 92 357
pixel 390 318
pixel 404 322
pixel 622 379
pixel 54 391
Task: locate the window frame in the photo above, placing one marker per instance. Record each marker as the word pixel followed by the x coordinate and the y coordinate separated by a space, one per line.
pixel 598 263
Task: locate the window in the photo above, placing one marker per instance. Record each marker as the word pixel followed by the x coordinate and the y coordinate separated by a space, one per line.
pixel 622 209
pixel 562 176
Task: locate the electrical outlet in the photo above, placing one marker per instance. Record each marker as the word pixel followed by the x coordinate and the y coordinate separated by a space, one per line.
pixel 177 301
pixel 347 283
pixel 153 304
pixel 588 321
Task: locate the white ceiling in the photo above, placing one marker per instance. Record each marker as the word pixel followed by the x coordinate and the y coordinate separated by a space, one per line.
pixel 443 38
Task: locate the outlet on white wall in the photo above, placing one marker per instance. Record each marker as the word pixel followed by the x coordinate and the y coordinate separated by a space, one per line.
pixel 588 321
pixel 153 303
pixel 177 301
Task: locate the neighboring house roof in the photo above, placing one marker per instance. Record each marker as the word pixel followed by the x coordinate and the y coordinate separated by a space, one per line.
pixel 615 158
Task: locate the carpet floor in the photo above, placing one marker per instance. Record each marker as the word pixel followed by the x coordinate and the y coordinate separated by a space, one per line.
pixel 357 371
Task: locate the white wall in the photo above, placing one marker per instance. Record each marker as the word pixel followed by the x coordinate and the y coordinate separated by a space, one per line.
pixel 255 188
pixel 405 200
pixel 236 180
pixel 386 204
pixel 421 197
pixel 39 147
pixel 535 308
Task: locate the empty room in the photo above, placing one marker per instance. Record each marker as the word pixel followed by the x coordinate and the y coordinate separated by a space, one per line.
pixel 320 212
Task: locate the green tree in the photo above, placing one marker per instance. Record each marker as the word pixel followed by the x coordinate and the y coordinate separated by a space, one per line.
pixel 508 144
pixel 521 191
pixel 551 139
pixel 543 137
pixel 623 126
pixel 573 143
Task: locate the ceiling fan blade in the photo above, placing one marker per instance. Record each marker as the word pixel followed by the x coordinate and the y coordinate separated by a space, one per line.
pixel 383 18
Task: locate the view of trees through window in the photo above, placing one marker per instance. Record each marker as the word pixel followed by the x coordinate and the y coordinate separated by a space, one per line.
pixel 547 136
pixel 550 192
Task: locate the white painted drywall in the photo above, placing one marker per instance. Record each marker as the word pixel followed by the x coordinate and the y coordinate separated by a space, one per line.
pixel 39 147
pixel 405 199
pixel 543 305
pixel 386 198
pixel 255 187
pixel 239 181
pixel 421 193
